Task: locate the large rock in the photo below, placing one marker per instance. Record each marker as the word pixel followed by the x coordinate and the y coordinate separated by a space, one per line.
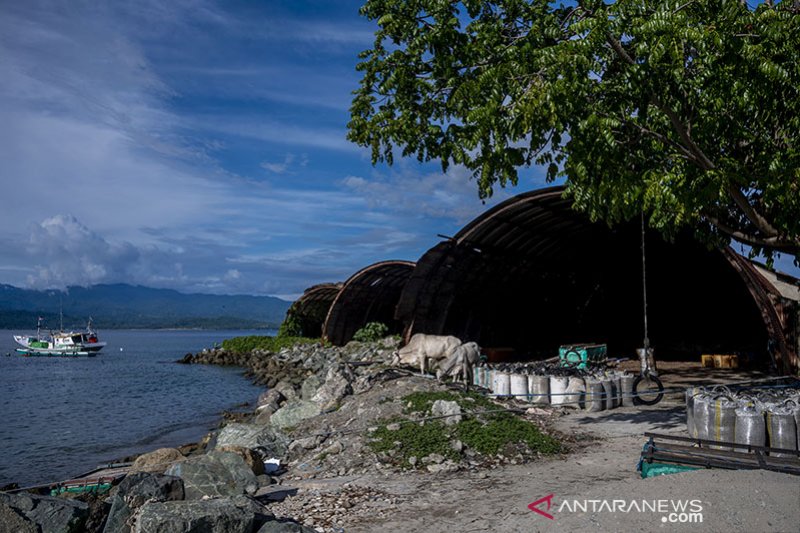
pixel 134 491
pixel 270 399
pixel 250 457
pixel 156 461
pixel 206 516
pixel 450 410
pixel 310 387
pixel 266 439
pixel 10 521
pixel 215 474
pixel 51 515
pixel 293 413
pixel 336 387
pixel 287 390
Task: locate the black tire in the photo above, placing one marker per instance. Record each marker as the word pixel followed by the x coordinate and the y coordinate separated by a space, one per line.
pixel 637 400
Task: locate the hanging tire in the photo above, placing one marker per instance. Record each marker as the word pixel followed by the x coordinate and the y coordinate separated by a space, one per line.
pixel 648 391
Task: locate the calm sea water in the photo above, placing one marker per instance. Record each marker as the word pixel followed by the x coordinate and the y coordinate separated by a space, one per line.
pixel 62 416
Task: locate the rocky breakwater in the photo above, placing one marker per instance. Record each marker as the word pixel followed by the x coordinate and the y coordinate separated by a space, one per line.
pixel 328 413
pixel 343 414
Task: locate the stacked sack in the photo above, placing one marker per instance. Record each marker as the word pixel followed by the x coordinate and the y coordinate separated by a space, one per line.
pixel 594 389
pixel 752 417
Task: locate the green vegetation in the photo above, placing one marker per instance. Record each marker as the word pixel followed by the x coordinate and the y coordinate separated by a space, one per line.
pixel 686 111
pixel 371 332
pixel 421 402
pixel 485 429
pixel 290 327
pixel 258 342
pixel 501 430
pixel 413 440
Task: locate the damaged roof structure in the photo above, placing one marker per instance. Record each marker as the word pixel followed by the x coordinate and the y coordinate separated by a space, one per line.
pixel 370 295
pixel 311 309
pixel 335 311
pixel 531 274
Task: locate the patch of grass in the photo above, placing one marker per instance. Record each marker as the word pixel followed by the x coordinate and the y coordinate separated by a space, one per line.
pixel 413 440
pixel 499 431
pixel 487 433
pixel 421 402
pixel 263 342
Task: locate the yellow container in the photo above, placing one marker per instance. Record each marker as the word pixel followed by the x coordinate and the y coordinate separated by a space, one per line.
pixel 732 361
pixel 707 360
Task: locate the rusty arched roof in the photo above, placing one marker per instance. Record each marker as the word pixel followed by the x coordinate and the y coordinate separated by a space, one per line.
pixel 538 231
pixel 369 295
pixel 312 307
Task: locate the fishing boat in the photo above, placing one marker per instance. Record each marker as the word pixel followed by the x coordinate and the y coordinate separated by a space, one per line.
pixel 60 344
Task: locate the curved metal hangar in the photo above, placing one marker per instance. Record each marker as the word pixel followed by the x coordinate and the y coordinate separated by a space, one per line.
pixel 370 295
pixel 531 274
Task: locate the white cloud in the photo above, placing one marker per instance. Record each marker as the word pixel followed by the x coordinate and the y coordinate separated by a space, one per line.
pixel 289 161
pixel 408 192
pixel 144 120
pixel 65 252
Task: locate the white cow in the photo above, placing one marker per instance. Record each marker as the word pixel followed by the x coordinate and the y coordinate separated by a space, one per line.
pixel 460 363
pixel 423 348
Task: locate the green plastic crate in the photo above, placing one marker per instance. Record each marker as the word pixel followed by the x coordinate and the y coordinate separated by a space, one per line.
pixel 581 355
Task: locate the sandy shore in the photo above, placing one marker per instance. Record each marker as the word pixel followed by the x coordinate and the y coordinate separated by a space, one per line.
pixel 602 469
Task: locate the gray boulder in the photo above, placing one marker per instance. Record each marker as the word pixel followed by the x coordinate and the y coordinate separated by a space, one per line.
pixel 269 398
pixel 287 390
pixel 268 440
pixel 215 474
pixel 293 413
pixel 10 520
pixel 310 387
pixel 51 515
pixel 134 491
pixel 451 410
pixel 336 386
pixel 157 460
pixel 250 457
pixel 206 516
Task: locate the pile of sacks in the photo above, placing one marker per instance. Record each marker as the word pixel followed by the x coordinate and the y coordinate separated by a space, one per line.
pixel 592 390
pixel 754 417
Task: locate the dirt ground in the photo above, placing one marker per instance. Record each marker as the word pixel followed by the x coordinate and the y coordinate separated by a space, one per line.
pixel 601 469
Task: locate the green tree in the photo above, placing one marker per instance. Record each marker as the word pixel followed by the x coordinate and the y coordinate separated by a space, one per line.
pixel 685 109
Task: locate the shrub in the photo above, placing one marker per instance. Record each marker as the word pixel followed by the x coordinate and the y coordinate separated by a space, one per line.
pixel 371 332
pixel 290 327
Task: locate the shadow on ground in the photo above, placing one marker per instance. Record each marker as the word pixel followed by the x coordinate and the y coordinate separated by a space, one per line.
pixel 629 420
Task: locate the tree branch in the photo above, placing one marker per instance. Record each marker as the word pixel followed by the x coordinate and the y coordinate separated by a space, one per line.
pixel 774 243
pixel 750 212
pixel 701 159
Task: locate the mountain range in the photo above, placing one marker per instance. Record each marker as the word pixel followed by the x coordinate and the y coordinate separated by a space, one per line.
pixel 130 306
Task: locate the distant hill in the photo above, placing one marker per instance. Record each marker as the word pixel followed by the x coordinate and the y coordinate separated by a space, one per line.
pixel 128 306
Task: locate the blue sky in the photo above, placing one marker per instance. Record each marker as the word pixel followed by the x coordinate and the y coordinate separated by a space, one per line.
pixel 200 146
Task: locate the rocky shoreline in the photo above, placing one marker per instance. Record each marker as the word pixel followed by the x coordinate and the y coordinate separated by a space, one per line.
pixel 327 413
